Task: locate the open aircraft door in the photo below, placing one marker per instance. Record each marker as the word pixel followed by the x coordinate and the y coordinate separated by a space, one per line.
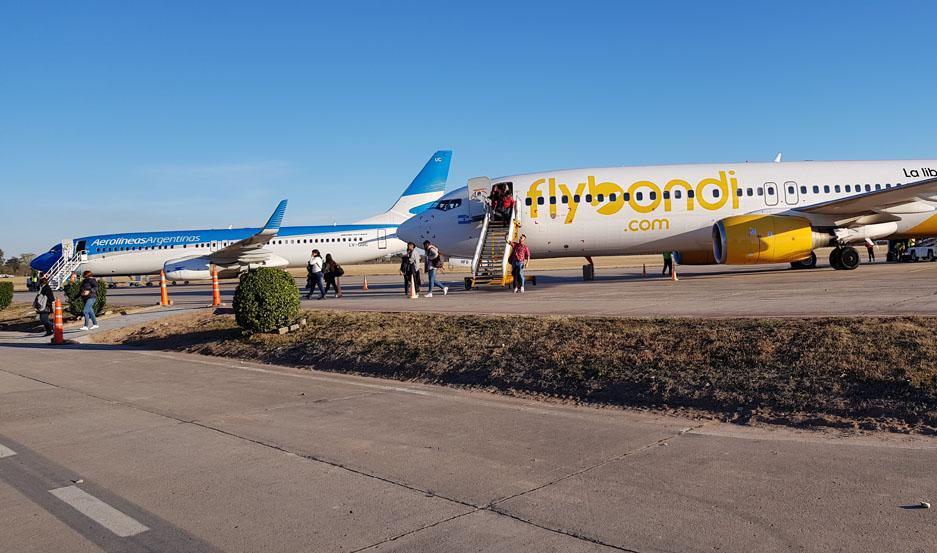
pixel 478 189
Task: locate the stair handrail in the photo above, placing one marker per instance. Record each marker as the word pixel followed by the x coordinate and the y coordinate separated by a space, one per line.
pixel 509 238
pixel 62 267
pixel 476 259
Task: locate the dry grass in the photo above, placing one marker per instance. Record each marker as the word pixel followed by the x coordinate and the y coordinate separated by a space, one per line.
pixel 19 317
pixel 878 373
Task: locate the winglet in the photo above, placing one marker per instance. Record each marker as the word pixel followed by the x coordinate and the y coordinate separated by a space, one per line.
pixel 777 158
pixel 275 220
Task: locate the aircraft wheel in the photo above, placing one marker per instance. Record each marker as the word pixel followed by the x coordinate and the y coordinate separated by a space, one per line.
pixel 809 263
pixel 835 256
pixel 849 258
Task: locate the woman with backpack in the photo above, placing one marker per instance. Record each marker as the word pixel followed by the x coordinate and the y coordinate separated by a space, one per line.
pixel 89 293
pixel 332 272
pixel 44 304
pixel 432 262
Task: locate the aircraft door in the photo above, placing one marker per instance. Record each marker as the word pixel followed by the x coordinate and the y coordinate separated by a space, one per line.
pixel 80 247
pixel 478 188
pixel 790 193
pixel 771 193
pixel 382 239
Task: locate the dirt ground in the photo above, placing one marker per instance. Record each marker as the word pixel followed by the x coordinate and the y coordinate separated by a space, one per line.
pixel 851 373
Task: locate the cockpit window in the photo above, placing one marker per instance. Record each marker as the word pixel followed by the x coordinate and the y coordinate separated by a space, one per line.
pixel 446 205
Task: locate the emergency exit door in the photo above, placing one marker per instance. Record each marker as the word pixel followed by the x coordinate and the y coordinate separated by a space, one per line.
pixel 382 239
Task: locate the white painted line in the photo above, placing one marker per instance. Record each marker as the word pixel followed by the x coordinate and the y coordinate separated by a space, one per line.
pixel 5 451
pixel 99 511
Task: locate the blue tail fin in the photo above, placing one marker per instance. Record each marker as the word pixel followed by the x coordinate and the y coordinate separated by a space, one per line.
pixel 428 186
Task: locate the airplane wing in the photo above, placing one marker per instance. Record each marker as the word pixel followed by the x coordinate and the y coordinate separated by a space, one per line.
pixel 251 249
pixel 879 201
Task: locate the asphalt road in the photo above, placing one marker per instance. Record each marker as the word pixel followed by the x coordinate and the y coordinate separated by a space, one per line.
pixel 104 448
pixel 706 291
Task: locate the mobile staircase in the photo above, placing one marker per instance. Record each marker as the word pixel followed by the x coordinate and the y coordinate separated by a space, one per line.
pixel 62 269
pixel 490 262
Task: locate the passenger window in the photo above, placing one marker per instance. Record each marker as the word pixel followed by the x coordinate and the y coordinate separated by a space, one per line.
pixel 715 193
pixel 552 200
pixel 690 193
pixel 612 197
pixel 576 198
pixel 803 189
pixel 878 186
pixel 770 190
pixel 565 199
pixel 529 201
pixel 848 188
pixel 761 191
pixel 750 192
pixel 868 188
pixel 653 195
pixel 887 186
pixel 639 196
pixel 790 189
pixel 540 200
pixel 836 188
pixel 589 198
pixel 826 189
pixel 667 194
pixel 816 189
pixel 738 192
pixel 626 196
pixel 678 193
pixel 601 197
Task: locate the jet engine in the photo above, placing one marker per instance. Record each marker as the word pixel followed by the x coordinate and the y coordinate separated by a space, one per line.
pixel 192 268
pixel 753 239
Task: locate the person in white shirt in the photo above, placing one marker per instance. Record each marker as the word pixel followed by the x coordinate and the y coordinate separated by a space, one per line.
pixel 314 276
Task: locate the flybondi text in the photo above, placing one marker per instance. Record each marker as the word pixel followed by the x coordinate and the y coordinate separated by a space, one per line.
pixel 643 196
pixel 146 240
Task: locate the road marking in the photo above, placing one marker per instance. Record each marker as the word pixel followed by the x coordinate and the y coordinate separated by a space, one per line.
pixel 99 511
pixel 5 451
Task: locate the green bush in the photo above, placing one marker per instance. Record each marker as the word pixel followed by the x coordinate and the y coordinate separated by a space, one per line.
pixel 75 303
pixel 266 299
pixel 6 294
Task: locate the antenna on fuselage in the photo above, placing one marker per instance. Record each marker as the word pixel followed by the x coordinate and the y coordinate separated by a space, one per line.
pixel 777 158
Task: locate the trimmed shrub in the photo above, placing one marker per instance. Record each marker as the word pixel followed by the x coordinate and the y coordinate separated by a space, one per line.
pixel 266 299
pixel 6 294
pixel 74 303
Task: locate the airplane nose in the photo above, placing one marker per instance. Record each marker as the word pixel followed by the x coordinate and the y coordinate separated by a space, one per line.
pixel 415 229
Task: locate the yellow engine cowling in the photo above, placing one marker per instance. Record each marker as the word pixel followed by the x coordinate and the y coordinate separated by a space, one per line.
pixel 753 239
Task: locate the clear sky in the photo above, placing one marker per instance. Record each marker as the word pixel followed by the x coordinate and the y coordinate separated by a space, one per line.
pixel 118 116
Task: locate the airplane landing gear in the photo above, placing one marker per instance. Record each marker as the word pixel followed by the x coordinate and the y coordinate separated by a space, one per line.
pixel 809 263
pixel 844 258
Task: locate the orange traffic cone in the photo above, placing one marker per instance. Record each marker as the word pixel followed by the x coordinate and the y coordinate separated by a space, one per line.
pixel 413 293
pixel 215 289
pixel 57 326
pixel 364 286
pixel 673 272
pixel 163 292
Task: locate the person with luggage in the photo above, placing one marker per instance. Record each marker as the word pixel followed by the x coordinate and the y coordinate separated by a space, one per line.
pixel 431 263
pixel 44 303
pixel 332 272
pixel 89 293
pixel 410 269
pixel 520 256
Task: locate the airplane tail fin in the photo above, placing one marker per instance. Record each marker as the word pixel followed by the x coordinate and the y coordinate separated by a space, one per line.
pixel 427 187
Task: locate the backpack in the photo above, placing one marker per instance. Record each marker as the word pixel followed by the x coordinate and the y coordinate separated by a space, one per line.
pixel 41 303
pixel 338 271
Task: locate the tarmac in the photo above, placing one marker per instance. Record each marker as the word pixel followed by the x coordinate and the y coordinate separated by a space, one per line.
pixel 702 291
pixel 110 449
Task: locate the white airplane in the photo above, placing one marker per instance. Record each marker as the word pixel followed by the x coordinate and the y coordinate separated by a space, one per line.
pixel 732 213
pixel 189 254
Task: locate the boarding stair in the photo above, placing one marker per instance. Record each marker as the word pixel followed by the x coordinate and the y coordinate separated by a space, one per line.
pixel 490 262
pixel 62 269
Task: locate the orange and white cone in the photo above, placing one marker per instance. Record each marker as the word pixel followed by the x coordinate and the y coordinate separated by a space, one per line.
pixel 413 293
pixel 57 325
pixel 163 292
pixel 673 271
pixel 364 286
pixel 215 289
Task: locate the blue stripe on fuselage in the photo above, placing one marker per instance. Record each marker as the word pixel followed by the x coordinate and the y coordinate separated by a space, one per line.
pixel 100 243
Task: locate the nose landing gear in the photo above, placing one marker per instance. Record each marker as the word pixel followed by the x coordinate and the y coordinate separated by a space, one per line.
pixel 844 258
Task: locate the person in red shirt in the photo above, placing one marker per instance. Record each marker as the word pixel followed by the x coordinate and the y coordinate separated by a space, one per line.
pixel 520 255
pixel 506 207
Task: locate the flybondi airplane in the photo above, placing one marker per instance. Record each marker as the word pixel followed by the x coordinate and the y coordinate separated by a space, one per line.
pixel 732 213
pixel 189 254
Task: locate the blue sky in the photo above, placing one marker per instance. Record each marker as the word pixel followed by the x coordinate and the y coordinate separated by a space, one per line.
pixel 162 115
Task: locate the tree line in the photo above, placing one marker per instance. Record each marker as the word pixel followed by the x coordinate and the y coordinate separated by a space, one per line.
pixel 18 265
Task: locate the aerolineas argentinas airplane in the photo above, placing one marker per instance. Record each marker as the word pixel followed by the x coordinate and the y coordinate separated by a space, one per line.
pixel 733 213
pixel 189 254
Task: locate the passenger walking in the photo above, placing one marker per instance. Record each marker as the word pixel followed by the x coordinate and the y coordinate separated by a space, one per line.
pixel 520 256
pixel 505 207
pixel 431 263
pixel 89 293
pixel 314 276
pixel 332 272
pixel 44 304
pixel 668 264
pixel 870 247
pixel 410 269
